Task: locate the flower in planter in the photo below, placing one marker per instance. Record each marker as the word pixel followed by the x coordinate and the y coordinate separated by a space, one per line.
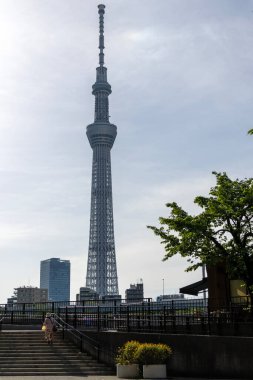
pixel 127 353
pixel 151 353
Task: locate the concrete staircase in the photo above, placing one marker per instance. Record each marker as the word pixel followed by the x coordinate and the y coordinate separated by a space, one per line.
pixel 26 353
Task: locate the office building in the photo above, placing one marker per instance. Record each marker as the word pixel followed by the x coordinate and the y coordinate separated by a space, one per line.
pixel 55 276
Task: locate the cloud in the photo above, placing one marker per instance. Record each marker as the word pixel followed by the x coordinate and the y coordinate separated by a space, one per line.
pixel 181 76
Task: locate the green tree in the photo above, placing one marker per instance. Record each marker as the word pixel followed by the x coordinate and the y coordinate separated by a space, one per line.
pixel 250 132
pixel 222 232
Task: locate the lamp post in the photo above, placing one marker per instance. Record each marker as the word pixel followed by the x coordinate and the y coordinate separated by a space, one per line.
pixel 163 287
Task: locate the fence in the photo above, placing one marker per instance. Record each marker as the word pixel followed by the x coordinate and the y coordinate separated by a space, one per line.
pixel 174 316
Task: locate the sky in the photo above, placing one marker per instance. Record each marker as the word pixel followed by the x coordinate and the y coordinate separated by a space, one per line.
pixel 182 76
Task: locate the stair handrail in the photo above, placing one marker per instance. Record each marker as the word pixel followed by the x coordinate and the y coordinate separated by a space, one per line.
pixel 78 334
pixel 1 322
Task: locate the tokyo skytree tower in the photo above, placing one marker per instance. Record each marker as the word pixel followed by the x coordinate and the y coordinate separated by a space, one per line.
pixel 101 268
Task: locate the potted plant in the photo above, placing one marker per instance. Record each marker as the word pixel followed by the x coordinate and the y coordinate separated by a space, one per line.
pixel 153 357
pixel 127 366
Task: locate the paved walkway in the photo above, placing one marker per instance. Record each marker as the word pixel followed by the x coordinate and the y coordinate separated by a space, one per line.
pixel 89 378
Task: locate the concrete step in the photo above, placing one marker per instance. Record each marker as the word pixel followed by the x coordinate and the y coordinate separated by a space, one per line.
pixel 49 364
pixel 42 355
pixel 48 367
pixel 43 350
pixel 33 344
pixel 27 353
pixel 46 361
pixel 59 373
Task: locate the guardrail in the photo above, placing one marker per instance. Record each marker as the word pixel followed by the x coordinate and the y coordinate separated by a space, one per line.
pixel 1 323
pixel 83 341
pixel 174 316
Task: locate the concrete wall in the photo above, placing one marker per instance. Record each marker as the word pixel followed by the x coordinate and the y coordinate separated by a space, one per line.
pixel 194 355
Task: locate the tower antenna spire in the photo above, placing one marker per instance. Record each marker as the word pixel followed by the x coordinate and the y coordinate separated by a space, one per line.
pixel 101 11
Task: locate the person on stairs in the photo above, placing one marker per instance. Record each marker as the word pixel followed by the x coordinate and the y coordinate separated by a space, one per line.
pixel 50 328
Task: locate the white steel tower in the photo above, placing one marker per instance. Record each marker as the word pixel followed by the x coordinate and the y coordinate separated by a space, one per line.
pixel 101 269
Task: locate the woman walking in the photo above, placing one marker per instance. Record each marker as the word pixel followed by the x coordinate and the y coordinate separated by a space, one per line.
pixel 49 324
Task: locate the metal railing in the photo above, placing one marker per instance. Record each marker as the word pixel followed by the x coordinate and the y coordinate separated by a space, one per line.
pixel 77 337
pixel 83 341
pixel 1 322
pixel 173 316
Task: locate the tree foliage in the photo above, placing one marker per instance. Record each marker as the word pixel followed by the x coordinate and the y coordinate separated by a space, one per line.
pixel 250 132
pixel 222 232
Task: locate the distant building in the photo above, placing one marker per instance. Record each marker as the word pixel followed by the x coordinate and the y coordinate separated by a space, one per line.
pixel 169 297
pixel 134 293
pixel 28 294
pixel 55 276
pixel 87 294
pixel 12 301
pixel 113 299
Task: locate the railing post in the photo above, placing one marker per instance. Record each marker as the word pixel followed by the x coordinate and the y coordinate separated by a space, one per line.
pixel 128 324
pixel 98 318
pixel 202 323
pixel 66 314
pixel 75 318
pixel 208 319
pixel 187 322
pixel 98 353
pixel 12 317
pixel 52 307
pixel 149 325
pixel 138 322
pixel 164 318
pixel 81 344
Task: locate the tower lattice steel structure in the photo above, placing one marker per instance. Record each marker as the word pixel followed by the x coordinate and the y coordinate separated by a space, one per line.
pixel 101 269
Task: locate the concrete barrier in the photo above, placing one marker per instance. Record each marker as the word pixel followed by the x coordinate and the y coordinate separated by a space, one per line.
pixel 194 355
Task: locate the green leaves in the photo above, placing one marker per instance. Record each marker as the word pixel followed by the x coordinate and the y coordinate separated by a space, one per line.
pixel 222 232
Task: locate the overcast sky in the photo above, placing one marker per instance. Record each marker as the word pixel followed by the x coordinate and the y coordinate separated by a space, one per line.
pixel 181 73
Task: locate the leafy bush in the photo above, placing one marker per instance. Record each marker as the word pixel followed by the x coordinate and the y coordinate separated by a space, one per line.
pixel 127 353
pixel 150 353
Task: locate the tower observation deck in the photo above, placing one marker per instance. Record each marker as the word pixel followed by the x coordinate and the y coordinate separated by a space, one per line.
pixel 101 268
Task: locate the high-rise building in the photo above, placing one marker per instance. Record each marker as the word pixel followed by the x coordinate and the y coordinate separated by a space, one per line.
pixel 55 276
pixel 101 268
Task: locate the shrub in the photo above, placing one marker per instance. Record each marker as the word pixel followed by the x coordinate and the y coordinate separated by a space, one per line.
pixel 150 353
pixel 127 353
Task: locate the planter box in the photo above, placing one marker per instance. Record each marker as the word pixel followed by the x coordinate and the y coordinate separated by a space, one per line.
pixel 129 371
pixel 154 371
